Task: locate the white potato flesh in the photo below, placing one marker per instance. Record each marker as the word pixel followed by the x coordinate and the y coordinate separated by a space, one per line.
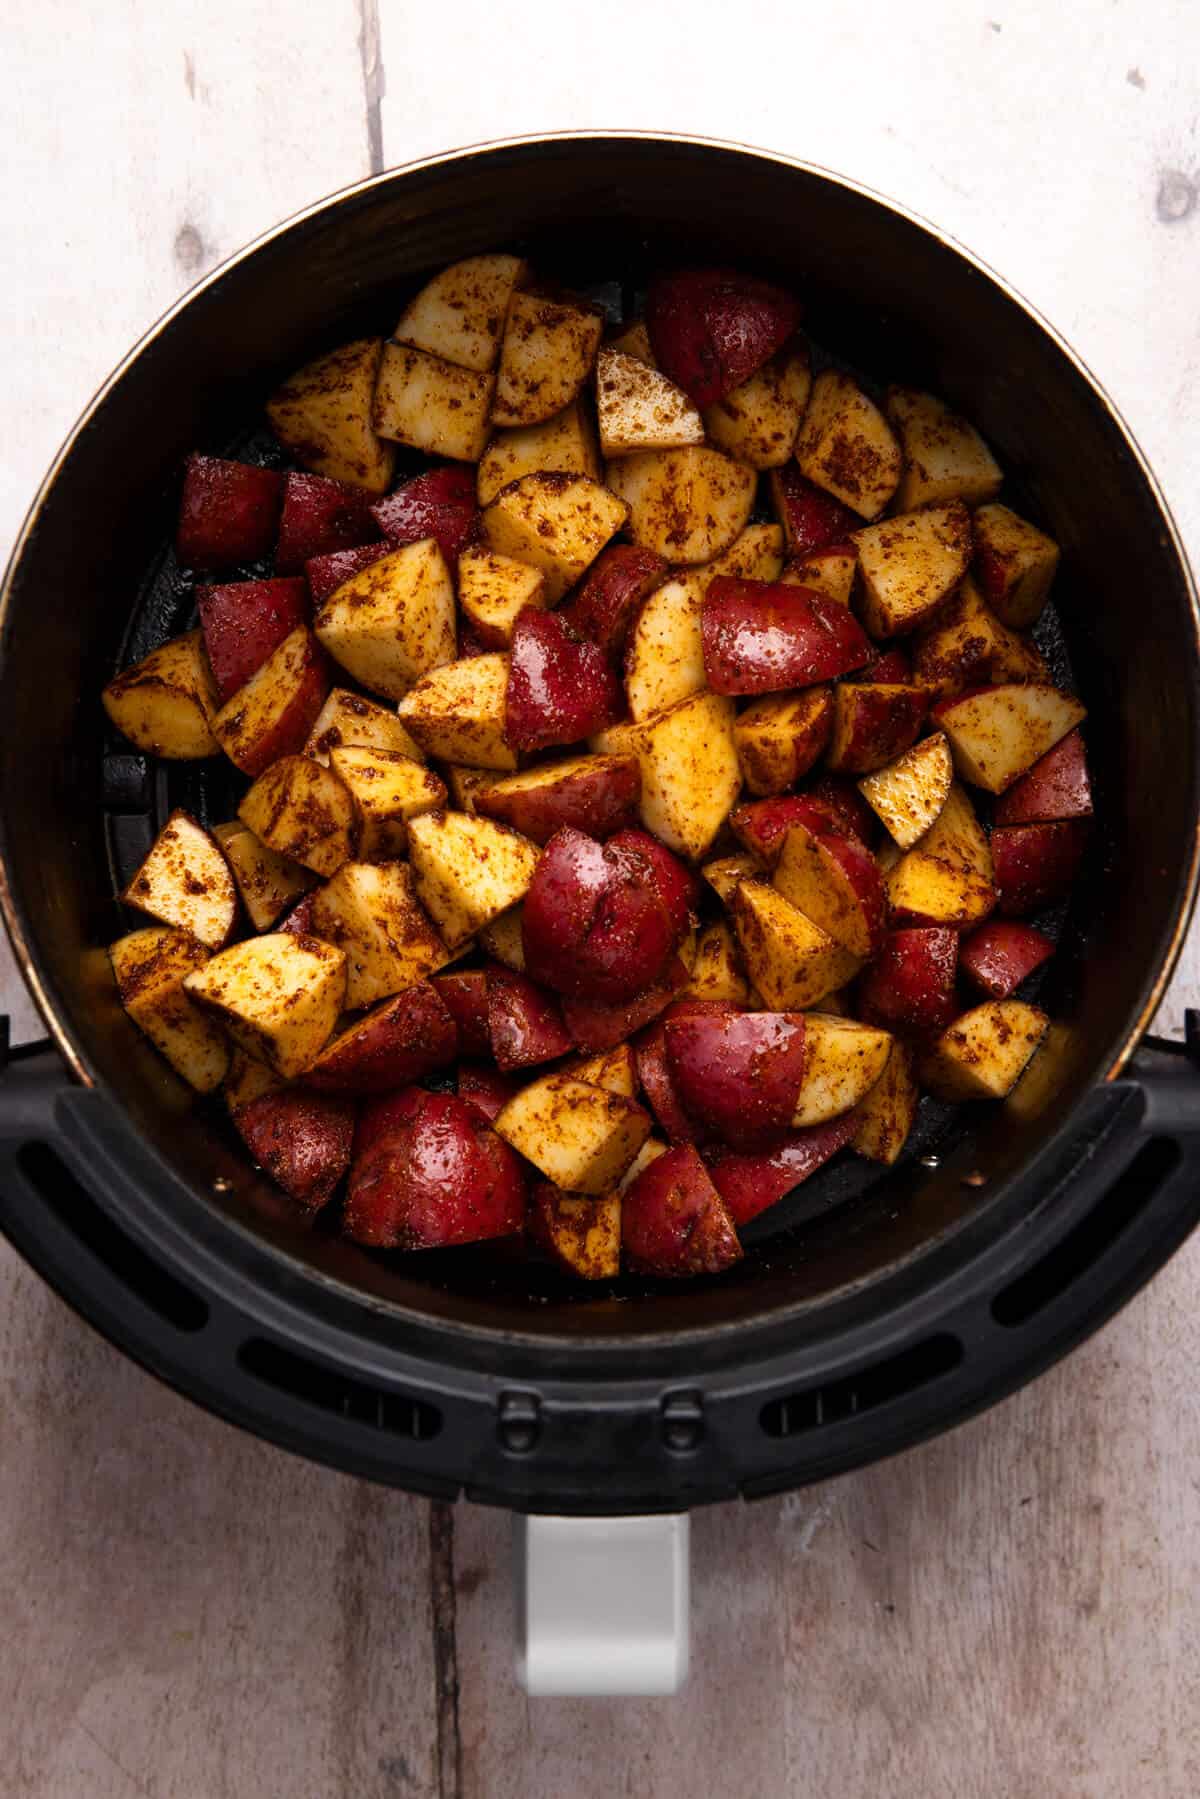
pixel 759 421
pixel 351 718
pixel 370 912
pixel 248 1080
pixel 323 416
pixel 432 405
pixel 615 1070
pixel 278 997
pixel 944 457
pixel 649 1152
pixel 457 713
pixel 769 729
pixel 1025 560
pixel 465 783
pixel 910 564
pixel 886 1115
pixel 818 885
pixel 842 1062
pixel 756 554
pixel 997 735
pixel 546 356
pixel 392 621
pixel 165 704
pixel 690 772
pixel 494 590
pixel 267 881
pixel 688 505
pixel 829 572
pixel 460 314
pixel 504 939
pixel 581 1137
pixel 634 340
pixel 388 790
pixel 947 877
pixel 664 653
pixel 262 714
pixel 150 967
pixel 468 870
pixel 790 960
pixel 847 447
pixel 562 445
pixel 303 811
pixel 638 408
pixel 557 523
pixel 185 881
pixel 910 792
pixel 727 873
pixel 983 1053
pixel 717 971
pixel 966 643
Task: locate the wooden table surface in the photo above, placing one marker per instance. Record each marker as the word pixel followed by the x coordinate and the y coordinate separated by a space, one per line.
pixel 1012 1612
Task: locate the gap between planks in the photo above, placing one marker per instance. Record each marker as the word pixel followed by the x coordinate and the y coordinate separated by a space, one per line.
pixel 444 1612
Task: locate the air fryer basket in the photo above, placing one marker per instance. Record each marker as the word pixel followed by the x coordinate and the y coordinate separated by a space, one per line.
pixel 871 1308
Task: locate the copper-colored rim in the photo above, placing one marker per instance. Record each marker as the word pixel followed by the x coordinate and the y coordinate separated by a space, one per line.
pixel 21 950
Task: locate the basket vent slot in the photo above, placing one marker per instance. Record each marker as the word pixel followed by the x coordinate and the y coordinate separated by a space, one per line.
pixel 795 1413
pixel 394 1414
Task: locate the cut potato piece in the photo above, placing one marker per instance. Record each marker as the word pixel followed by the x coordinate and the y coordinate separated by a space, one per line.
pixel 688 505
pixel 596 794
pixel 466 783
pixel 615 1070
pixel 460 314
pixel 388 790
pixel 998 733
pixel 664 654
pixel 468 870
pixel 150 967
pixel 457 713
pixel 634 340
pixel 351 718
pixel 759 421
pixel 563 445
pixel 947 877
pixel 885 1117
pixel 717 970
pixel 323 417
pixel 790 960
pixel 556 523
pixel 493 591
pixel 582 1233
pixel 690 772
pixel 639 409
pixel 835 882
pixel 504 939
pixel 247 1080
pixel 755 555
pixel 944 457
pixel 303 811
pixel 781 736
pixel 910 564
pixel 272 715
pixel 369 910
pixel 983 1053
pixel 1015 564
pixel 185 881
pixel 165 704
pixel 394 620
pixel 545 358
pixel 278 997
pixel 432 405
pixel 727 873
pixel 909 793
pixel 582 1137
pixel 966 644
pixel 649 1152
pixel 847 447
pixel 829 572
pixel 842 1062
pixel 267 881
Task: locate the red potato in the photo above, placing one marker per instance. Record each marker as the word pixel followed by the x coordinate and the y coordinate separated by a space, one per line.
pixel 302 1140
pixel 166 702
pixel 299 921
pixel 322 416
pixel 385 1115
pixel 596 794
pixel 438 504
pixel 758 421
pixel 326 573
pixel 966 645
pixel 1015 564
pixel 243 622
pixel 581 1233
pixel 486 1089
pixel 602 607
pixel 812 519
pixel 319 518
pixel 456 713
pixel 1036 864
pixel 780 737
pixel 561 689
pixel 947 877
pixel 739 1073
pixel 673 1220
pixel 525 1023
pixel 910 565
pixel 884 1119
pixel 984 1052
pixel 464 994
pixel 368 909
pixel 762 826
pixel 439 1177
pixel 558 523
pixel 749 1184
pixel 843 1059
pixel 655 1073
pixel 847 446
pixel 908 794
pixel 596 1026
pixel 677 887
pixel 272 715
pixel 228 512
pixel 873 723
pixel 493 591
pixel 185 881
pixel 467 870
pixel 829 571
pixel 711 329
pixel 400 1041
pixel 394 621
pixel 998 733
pixel 910 987
pixel 388 789
pixel 277 996
pixel 891 668
pixel 835 882
pixel 582 1137
pixel 595 926
pixel 302 811
pixel 844 806
pixel 790 960
pixel 1057 786
pixel 763 637
pixel 266 881
pixel 1000 955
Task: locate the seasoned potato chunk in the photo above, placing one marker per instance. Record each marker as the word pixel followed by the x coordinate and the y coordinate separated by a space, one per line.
pixel 583 1138
pixel 185 881
pixel 545 358
pixel 166 703
pixel 460 314
pixel 394 620
pixel 150 967
pixel 557 523
pixel 322 415
pixel 431 404
pixel 468 870
pixel 278 996
pixel 457 713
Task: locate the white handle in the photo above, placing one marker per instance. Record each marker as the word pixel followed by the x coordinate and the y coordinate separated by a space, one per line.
pixel 602 1605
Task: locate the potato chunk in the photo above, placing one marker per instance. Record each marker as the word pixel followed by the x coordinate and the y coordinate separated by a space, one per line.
pixel 150 967
pixel 166 703
pixel 545 357
pixel 370 911
pixel 910 564
pixel 1015 563
pixel 303 811
pixel 562 445
pixel 717 971
pixel 494 590
pixel 457 713
pixel 847 447
pixel 910 792
pixel 267 881
pixel 999 733
pixel 388 790
pixel 886 1115
pixel 322 415
pixel 639 409
pixel 468 870
pixel 351 718
pixel 947 877
pixel 759 421
pixel 555 522
pixel 460 314
pixel 583 1234
pixel 582 1137
pixel 394 620
pixel 842 1062
pixel 185 881
pixel 690 772
pixel 791 961
pixel 431 404
pixel 944 457
pixel 983 1053
pixel 278 997
pixel 687 505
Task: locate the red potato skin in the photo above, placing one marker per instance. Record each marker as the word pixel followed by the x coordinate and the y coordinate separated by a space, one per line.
pixel 594 926
pixel 400 1041
pixel 298 922
pixel 243 621
pixel 1036 864
pixel 440 503
pixel 486 1089
pixel 303 1141
pixel 525 1023
pixel 382 1117
pixel 673 1220
pixel 740 1074
pixel 761 825
pixel 288 732
pixel 439 1176
pixel 769 637
pixel 654 1068
pixel 464 995
pixel 812 519
pixel 598 1027
pixel 861 874
pixel 678 887
pixel 320 517
pixel 711 329
pixel 844 806
pixel 909 988
pixel 1001 954
pixel 874 724
pixel 749 1184
pixel 560 687
pixel 604 605
pixel 228 513
pixel 326 573
pixel 1056 787
pixel 600 801
pixel 890 667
